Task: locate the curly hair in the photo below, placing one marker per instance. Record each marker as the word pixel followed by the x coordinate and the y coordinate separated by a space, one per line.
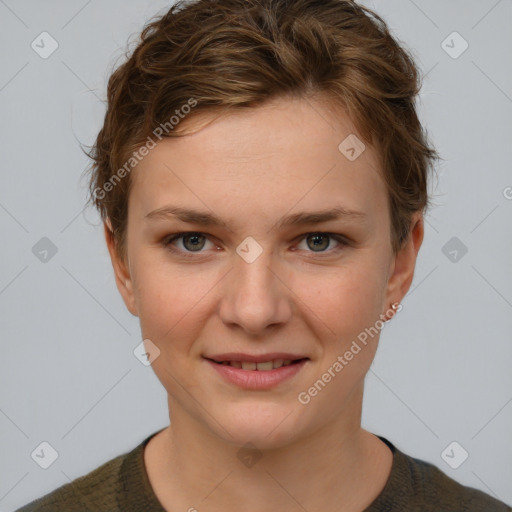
pixel 209 55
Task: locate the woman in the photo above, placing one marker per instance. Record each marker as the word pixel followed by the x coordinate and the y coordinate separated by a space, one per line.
pixel 262 175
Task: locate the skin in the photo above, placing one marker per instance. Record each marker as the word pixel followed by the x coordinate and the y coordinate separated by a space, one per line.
pixel 252 168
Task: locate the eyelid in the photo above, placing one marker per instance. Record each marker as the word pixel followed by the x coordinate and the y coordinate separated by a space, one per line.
pixel 340 239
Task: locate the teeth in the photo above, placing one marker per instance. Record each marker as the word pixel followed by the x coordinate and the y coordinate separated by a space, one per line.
pixel 268 365
pixel 264 366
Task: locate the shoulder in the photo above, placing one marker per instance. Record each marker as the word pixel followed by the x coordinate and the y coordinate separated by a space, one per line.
pixel 97 490
pixel 427 488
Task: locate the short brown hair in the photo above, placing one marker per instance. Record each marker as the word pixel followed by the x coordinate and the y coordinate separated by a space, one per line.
pixel 232 54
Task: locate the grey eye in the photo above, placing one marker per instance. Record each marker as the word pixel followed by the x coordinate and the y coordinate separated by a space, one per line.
pixel 191 243
pixel 318 241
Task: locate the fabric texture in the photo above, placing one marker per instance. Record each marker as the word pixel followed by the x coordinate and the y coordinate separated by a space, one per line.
pixel 122 484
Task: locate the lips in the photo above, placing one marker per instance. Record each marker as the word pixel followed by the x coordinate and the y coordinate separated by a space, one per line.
pixel 254 378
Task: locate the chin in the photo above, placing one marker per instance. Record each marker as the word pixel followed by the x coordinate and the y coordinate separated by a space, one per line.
pixel 266 426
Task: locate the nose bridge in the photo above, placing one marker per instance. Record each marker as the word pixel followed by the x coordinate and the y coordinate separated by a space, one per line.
pixel 255 298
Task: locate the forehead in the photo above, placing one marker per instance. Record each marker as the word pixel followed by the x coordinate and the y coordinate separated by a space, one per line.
pixel 287 150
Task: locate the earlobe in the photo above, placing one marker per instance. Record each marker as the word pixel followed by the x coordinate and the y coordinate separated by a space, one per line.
pixel 122 274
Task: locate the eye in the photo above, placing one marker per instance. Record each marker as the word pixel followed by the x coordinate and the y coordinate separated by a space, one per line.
pixel 194 242
pixel 321 241
pixel 191 241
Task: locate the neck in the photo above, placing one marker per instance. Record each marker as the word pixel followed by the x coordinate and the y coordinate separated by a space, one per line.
pixel 338 466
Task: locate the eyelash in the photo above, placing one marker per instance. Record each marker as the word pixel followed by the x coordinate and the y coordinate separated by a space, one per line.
pixel 167 242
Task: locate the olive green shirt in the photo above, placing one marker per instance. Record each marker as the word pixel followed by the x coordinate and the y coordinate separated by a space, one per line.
pixel 122 484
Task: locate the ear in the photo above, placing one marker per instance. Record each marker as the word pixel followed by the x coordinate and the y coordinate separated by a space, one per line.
pixel 121 271
pixel 402 273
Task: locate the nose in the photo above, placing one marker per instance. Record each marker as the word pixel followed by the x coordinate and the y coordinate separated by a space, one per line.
pixel 256 296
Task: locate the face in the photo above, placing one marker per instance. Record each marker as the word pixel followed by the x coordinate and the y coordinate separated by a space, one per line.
pixel 256 283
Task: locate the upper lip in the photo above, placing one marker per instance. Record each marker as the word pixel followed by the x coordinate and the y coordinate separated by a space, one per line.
pixel 253 358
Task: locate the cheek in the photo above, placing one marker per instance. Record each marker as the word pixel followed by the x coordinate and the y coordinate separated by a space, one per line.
pixel 347 298
pixel 171 312
pixel 168 298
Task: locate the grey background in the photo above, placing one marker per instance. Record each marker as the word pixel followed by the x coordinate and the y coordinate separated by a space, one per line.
pixel 68 375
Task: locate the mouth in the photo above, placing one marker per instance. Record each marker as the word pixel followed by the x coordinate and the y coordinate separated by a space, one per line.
pixel 262 366
pixel 263 372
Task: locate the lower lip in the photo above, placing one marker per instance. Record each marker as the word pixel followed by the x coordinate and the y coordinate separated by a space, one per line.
pixel 256 379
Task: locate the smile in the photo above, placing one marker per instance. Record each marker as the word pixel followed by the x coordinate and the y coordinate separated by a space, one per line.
pixel 262 375
pixel 263 366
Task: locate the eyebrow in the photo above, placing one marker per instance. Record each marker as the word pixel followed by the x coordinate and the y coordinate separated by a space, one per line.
pixel 301 218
